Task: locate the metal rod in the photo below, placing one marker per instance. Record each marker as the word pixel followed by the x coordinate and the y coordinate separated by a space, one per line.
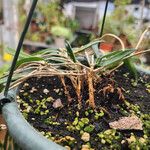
pixel 19 47
pixel 104 18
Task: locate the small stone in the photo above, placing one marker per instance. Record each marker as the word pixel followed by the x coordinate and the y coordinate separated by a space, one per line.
pixel 46 91
pixel 67 147
pixel 103 141
pixel 85 147
pixel 33 90
pixel 28 109
pixel 123 141
pixel 26 84
pixel 21 91
pixel 3 127
pixel 56 90
pixel 127 123
pixel 57 103
pixel 85 137
pixel 69 138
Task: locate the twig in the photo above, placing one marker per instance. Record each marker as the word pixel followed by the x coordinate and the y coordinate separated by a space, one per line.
pixel 142 37
pixel 112 35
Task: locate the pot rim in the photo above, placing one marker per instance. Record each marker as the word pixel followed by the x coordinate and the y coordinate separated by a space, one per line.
pixel 142 69
pixel 21 131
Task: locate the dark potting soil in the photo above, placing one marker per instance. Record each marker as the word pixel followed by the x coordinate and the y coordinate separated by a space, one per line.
pixel 46 107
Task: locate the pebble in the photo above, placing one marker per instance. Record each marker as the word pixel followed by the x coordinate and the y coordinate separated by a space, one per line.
pixel 57 103
pixel 46 91
pixel 26 84
pixel 3 127
pixel 85 137
pixel 85 147
pixel 33 90
pixel 127 123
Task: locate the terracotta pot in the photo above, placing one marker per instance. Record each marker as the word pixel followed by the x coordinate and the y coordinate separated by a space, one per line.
pixel 106 47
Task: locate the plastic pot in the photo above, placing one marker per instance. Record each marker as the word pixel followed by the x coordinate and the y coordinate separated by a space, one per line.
pixel 21 131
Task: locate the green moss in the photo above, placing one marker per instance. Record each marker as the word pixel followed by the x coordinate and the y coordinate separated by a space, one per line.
pixel 78 127
pixel 70 128
pixel 138 143
pixel 98 115
pixel 110 137
pixel 25 115
pixel 133 83
pixel 86 113
pixel 89 128
pixel 85 120
pixel 90 111
pixel 123 112
pixel 81 124
pixel 25 105
pixel 50 121
pixel 75 122
pixel 133 108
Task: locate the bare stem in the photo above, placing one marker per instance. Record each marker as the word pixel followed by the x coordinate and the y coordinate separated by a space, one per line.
pixel 91 88
pixel 65 88
pixel 79 84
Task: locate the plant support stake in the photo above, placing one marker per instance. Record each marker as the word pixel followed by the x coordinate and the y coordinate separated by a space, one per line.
pixel 19 47
pixel 104 18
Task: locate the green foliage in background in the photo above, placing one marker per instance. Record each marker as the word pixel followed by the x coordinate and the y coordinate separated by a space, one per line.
pixel 122 2
pixel 121 22
pixel 49 16
pixel 59 31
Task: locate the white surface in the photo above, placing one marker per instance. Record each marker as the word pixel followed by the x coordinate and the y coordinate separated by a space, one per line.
pixel 69 8
pixel 10 28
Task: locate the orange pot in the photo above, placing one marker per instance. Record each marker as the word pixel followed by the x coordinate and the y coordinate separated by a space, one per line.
pixel 106 47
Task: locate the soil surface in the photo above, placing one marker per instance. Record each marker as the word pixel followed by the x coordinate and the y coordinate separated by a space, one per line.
pixel 59 117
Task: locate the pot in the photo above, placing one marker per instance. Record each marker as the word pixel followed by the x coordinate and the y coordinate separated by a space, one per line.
pixel 106 47
pixel 21 131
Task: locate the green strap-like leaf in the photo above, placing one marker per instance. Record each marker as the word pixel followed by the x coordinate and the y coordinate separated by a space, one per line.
pixel 27 60
pixel 46 51
pixel 96 50
pixel 82 48
pixel 54 60
pixel 109 55
pixel 70 51
pixel 132 69
pixel 15 77
pixel 13 51
pixel 114 57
